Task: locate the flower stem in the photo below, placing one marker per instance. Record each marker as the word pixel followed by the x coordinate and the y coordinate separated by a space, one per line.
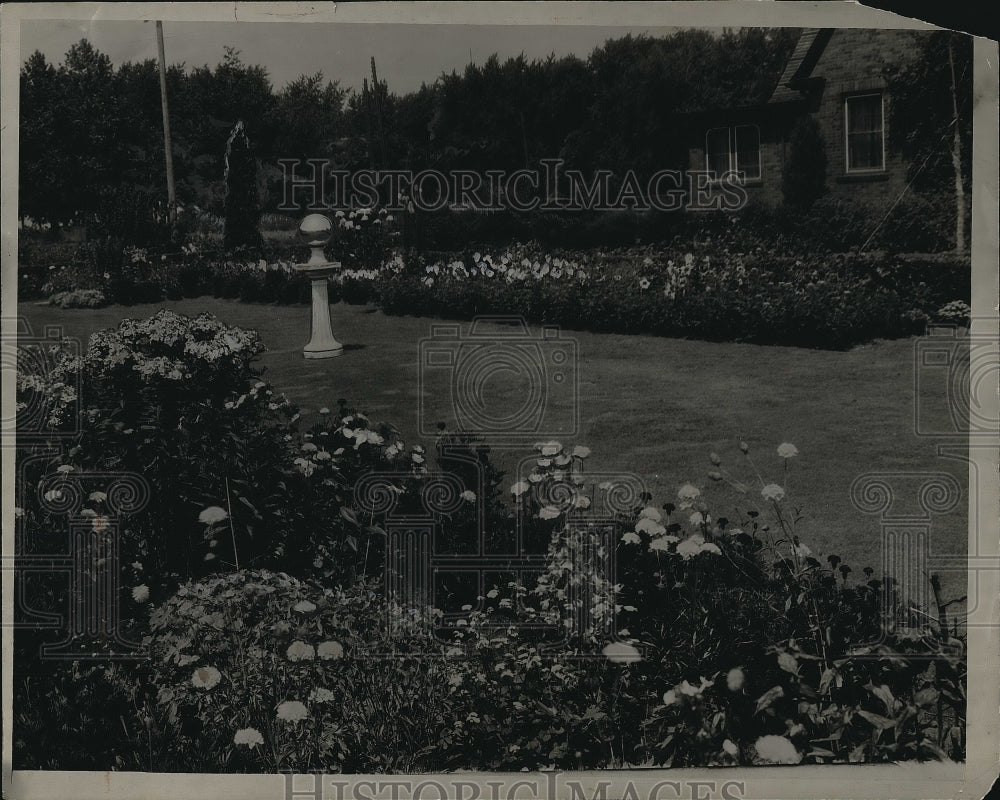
pixel 232 528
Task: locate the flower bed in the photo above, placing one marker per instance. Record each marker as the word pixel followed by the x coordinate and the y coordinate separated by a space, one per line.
pixel 706 292
pixel 833 301
pixel 254 577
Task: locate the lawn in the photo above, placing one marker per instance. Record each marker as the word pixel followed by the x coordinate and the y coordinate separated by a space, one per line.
pixel 651 406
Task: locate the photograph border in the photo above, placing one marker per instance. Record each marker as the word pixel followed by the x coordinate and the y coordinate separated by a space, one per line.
pixel 972 778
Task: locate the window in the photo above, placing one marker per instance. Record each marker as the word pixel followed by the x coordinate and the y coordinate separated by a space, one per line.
pixel 717 151
pixel 748 151
pixel 865 126
pixel 735 148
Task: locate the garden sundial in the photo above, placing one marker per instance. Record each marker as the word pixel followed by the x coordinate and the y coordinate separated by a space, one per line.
pixel 316 230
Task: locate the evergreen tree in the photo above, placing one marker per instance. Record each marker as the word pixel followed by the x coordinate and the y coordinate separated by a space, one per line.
pixel 242 202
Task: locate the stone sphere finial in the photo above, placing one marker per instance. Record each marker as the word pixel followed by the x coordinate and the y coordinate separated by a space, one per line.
pixel 315 230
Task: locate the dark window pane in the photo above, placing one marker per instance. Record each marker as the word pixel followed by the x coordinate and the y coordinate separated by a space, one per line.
pixel 865 150
pixel 748 151
pixel 717 150
pixel 865 113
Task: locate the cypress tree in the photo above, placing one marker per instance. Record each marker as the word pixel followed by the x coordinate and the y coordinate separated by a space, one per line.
pixel 242 203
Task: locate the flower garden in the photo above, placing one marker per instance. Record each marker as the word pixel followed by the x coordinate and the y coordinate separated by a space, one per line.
pixel 727 284
pixel 696 627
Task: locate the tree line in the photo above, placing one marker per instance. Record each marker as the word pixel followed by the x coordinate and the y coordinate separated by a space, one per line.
pixel 89 128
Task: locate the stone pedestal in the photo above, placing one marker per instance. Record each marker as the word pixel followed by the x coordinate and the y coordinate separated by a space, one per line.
pixel 316 230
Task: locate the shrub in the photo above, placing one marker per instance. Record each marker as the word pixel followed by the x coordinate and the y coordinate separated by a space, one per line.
pixel 262 672
pixel 130 215
pixel 178 401
pixel 803 175
pixel 79 298
pixel 71 702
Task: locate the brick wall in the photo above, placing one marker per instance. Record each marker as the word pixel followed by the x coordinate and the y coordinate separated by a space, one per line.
pixel 853 62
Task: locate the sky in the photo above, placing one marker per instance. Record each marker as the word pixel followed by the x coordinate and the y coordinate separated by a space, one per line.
pixel 405 55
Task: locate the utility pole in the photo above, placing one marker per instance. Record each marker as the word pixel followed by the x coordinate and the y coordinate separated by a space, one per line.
pixel 379 114
pixel 171 195
pixel 956 155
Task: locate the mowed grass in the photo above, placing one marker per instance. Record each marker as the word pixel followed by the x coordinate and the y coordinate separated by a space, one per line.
pixel 648 406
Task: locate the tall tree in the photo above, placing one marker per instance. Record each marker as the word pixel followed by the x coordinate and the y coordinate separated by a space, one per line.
pixel 42 153
pixel 930 120
pixel 242 228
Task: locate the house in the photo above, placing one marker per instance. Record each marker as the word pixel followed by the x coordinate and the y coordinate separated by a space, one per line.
pixel 835 76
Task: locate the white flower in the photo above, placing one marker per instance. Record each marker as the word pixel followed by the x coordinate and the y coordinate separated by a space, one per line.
pixel 300 651
pixel 690 547
pixel 650 513
pixel 330 651
pixel 304 606
pixel 324 410
pixel 650 527
pixel 730 747
pixel 292 711
pixel 631 538
pixel 773 492
pixel 140 593
pixel 206 678
pixel 735 679
pixel 551 448
pixel 777 750
pixel 249 736
pixel 580 451
pixel 661 544
pixel 802 550
pixel 787 450
pixel 687 494
pixel 519 488
pixel 670 697
pixel 709 547
pixel 691 690
pixel 65 468
pixel 621 653
pixel 321 695
pixel 549 512
pixel 469 496
pixel 212 514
